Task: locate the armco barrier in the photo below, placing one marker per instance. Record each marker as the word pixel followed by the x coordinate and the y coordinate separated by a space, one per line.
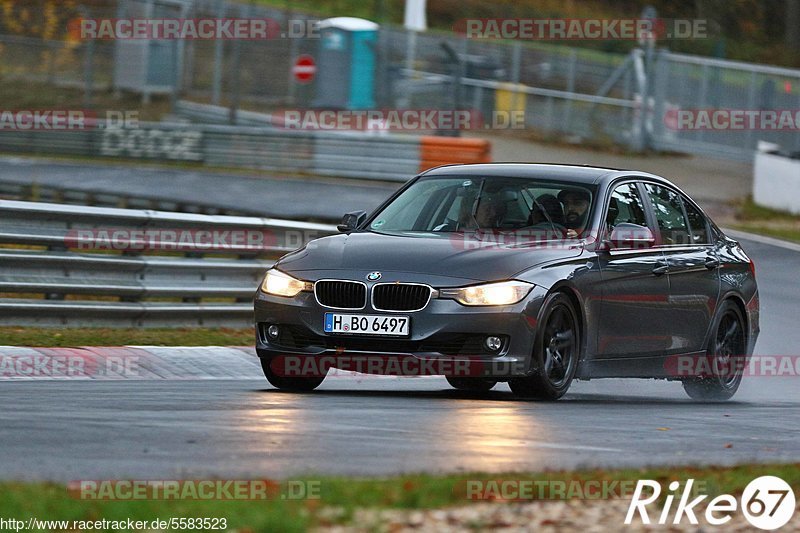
pixel 435 151
pixel 366 155
pixel 75 265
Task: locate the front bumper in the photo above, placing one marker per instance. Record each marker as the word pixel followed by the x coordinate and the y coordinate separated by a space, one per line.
pixel 444 332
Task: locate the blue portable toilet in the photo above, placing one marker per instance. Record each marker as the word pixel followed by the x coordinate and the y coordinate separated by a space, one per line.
pixel 346 65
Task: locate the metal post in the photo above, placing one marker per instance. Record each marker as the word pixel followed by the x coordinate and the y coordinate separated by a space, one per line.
pixel 216 91
pixel 477 98
pixel 175 77
pixel 236 93
pixel 658 84
pixel 236 76
pixel 88 74
pixel 457 76
pixel 411 50
pixel 751 104
pixel 148 9
pixel 637 130
pixel 703 97
pixel 189 54
pixel 516 59
pixel 573 58
pixel 293 54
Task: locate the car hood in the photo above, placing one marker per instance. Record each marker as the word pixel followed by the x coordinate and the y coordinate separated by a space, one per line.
pixel 455 256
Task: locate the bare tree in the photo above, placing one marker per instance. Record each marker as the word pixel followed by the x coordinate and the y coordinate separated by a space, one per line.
pixel 792 36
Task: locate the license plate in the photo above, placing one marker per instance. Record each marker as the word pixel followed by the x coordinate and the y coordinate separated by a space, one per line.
pixel 367 324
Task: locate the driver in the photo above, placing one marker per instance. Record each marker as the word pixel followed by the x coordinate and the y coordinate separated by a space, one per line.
pixel 576 207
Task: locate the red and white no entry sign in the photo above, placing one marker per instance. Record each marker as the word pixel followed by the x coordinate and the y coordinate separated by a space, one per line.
pixel 304 69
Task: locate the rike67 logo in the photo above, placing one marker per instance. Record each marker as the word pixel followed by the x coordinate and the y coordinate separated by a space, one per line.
pixel 767 503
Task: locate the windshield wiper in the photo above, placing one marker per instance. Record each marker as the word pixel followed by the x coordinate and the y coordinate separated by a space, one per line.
pixel 476 203
pixel 544 212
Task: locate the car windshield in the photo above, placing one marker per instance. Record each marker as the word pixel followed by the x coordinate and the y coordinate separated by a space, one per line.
pixel 548 209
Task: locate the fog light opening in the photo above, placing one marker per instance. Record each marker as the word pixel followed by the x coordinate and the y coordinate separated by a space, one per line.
pixel 273 331
pixel 493 344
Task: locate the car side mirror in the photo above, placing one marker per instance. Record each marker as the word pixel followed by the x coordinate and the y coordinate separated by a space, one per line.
pixel 627 235
pixel 352 221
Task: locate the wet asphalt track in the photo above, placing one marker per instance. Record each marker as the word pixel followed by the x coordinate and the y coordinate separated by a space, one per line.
pixel 253 193
pixel 378 425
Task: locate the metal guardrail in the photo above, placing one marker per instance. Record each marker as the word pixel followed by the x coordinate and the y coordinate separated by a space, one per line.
pixel 73 265
pixel 215 114
pixel 341 154
pixel 57 193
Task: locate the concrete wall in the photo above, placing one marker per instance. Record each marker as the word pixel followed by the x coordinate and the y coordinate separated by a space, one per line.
pixel 776 180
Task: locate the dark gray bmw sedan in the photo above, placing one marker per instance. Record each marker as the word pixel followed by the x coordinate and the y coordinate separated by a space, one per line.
pixel 527 273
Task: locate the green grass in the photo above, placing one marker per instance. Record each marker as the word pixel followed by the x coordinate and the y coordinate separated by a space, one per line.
pixel 762 220
pixel 19 94
pixel 57 337
pixel 792 235
pixel 751 211
pixel 52 502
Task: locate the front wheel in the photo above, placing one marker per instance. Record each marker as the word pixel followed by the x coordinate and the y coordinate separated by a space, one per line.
pixel 471 384
pixel 725 352
pixel 555 354
pixel 288 383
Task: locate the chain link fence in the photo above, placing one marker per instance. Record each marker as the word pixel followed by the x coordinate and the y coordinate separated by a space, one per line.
pixel 683 82
pixel 585 95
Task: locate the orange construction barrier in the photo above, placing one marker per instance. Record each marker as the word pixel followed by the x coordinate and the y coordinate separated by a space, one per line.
pixel 435 151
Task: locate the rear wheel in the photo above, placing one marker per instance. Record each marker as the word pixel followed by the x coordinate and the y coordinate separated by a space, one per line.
pixel 471 384
pixel 555 354
pixel 725 352
pixel 288 383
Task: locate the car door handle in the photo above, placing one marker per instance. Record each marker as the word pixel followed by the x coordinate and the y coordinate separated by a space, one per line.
pixel 661 268
pixel 712 263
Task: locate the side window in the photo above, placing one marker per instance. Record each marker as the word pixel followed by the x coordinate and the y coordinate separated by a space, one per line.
pixel 697 223
pixel 669 215
pixel 625 206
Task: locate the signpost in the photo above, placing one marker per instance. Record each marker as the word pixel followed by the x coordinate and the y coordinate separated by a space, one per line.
pixel 304 69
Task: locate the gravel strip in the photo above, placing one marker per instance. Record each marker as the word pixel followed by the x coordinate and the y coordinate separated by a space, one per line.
pixel 539 516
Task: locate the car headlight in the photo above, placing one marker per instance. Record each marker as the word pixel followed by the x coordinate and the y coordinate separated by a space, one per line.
pixel 500 293
pixel 279 284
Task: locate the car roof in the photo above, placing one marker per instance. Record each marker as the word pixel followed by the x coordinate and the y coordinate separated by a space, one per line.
pixel 579 174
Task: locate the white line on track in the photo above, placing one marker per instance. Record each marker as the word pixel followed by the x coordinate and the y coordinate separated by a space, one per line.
pixel 786 245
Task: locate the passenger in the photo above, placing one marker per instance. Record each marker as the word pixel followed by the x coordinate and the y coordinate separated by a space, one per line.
pixel 491 211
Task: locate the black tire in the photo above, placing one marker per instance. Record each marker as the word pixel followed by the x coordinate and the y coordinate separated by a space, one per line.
pixel 556 352
pixel 728 342
pixel 471 384
pixel 289 383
